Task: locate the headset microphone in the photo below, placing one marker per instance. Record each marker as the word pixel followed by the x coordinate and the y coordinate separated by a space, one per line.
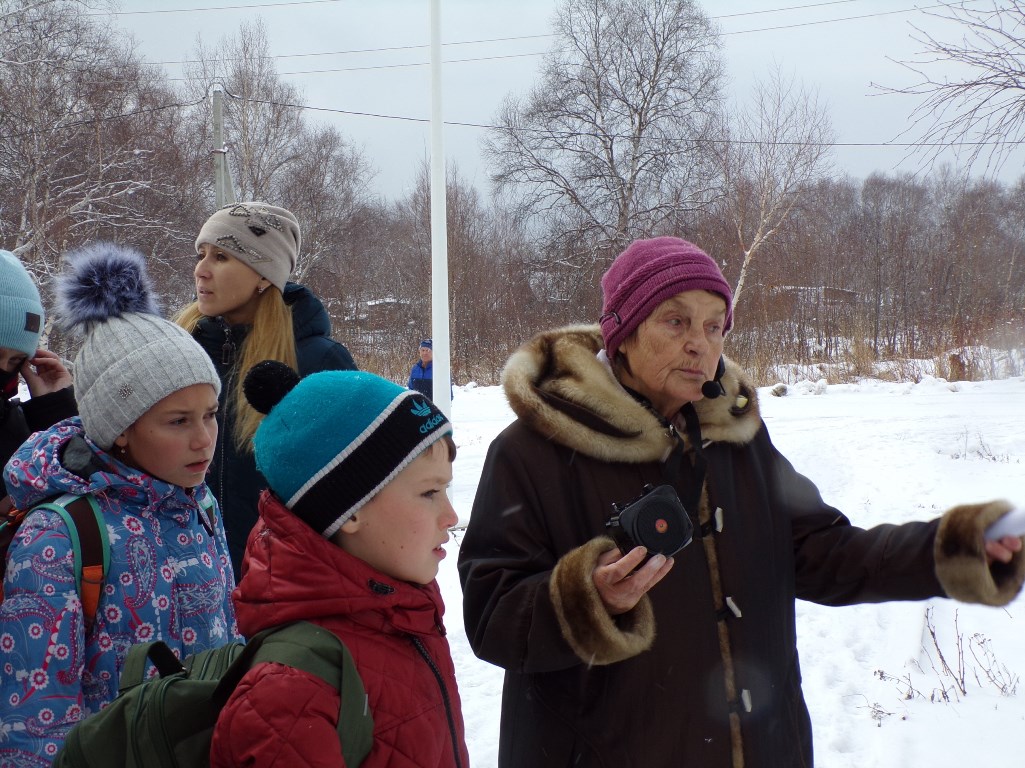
pixel 714 388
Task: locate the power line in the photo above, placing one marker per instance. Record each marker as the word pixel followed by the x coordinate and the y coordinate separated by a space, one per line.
pixel 214 8
pixel 292 3
pixel 843 18
pixel 104 119
pixel 371 50
pixel 508 56
pixel 371 67
pixel 526 37
pixel 368 67
pixel 489 126
pixel 568 134
pixel 333 70
pixel 783 10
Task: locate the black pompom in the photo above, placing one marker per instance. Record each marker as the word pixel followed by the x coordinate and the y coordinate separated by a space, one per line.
pixel 268 382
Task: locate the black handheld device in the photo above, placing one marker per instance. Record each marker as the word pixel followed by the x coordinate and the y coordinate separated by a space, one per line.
pixel 655 520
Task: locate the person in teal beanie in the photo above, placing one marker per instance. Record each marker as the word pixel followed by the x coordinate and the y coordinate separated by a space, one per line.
pixel 350 537
pixel 48 381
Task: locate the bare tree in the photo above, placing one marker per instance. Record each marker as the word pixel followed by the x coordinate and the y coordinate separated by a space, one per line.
pixel 608 144
pixel 328 182
pixel 263 114
pixel 15 14
pixel 770 155
pixel 80 125
pixel 980 108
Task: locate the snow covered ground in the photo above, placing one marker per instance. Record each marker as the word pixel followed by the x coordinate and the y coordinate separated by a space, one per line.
pixel 873 677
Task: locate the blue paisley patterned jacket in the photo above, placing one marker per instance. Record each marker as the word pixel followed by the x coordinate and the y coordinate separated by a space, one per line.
pixel 170 579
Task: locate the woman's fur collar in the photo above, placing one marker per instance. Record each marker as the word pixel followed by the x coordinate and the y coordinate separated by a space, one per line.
pixel 558 387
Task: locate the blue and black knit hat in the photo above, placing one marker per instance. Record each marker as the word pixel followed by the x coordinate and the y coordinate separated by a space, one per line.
pixel 332 440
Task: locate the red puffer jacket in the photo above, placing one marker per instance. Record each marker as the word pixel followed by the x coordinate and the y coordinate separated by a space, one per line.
pixel 280 716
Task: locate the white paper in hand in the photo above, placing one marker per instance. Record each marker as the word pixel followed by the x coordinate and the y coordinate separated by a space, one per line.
pixel 1011 524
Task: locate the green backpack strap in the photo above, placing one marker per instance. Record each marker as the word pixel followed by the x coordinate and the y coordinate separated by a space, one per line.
pixel 90 547
pixel 319 652
pixel 138 659
pixel 134 670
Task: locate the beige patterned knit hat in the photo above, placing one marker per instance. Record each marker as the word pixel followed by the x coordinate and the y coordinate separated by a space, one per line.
pixel 262 236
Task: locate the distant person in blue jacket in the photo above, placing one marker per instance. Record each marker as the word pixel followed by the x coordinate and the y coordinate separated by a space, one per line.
pixel 421 378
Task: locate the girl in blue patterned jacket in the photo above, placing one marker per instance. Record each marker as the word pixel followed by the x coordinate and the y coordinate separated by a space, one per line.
pixel 147 396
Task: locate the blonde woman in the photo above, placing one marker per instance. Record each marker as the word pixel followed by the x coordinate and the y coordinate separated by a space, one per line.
pixel 246 311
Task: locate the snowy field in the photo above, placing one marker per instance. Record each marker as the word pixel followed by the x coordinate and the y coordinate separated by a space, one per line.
pixel 873 677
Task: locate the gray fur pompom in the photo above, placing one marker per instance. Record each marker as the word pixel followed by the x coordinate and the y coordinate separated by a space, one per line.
pixel 103 280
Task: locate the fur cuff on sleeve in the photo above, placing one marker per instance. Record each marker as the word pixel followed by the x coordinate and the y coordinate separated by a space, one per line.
pixel 595 636
pixel 961 558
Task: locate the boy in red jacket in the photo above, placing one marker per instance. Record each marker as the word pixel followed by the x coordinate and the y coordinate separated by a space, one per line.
pixel 350 538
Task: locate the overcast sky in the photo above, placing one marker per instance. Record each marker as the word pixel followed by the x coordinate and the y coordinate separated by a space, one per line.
pixel 371 57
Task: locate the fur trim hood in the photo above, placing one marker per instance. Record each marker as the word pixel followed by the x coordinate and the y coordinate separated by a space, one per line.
pixel 558 386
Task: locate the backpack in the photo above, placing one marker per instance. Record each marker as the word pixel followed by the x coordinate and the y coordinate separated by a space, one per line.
pixel 169 720
pixel 90 546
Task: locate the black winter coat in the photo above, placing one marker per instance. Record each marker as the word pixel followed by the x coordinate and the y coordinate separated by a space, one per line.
pixel 19 420
pixel 233 475
pixel 704 670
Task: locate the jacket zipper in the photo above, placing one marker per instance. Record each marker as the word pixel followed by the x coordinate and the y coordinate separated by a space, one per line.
pixel 228 347
pixel 444 695
pixel 227 359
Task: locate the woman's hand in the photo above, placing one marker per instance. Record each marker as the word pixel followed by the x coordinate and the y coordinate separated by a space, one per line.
pixel 619 585
pixel 1002 550
pixel 45 373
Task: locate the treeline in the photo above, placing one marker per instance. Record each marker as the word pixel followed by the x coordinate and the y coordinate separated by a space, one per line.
pixel 96 143
pixel 890 268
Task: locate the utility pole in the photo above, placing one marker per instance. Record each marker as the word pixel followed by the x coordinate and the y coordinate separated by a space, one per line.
pixel 224 189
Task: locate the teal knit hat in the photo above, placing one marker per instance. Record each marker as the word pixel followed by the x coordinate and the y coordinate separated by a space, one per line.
pixel 332 440
pixel 21 311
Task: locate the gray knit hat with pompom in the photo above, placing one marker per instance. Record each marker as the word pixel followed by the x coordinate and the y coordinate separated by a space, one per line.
pixel 131 358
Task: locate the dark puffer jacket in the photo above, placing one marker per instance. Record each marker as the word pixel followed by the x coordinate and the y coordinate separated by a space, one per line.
pixel 18 420
pixel 279 716
pixel 233 476
pixel 704 671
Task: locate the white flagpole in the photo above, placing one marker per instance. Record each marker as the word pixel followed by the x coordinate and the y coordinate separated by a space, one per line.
pixel 439 229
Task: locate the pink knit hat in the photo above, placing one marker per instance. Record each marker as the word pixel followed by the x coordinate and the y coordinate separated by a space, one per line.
pixel 647 273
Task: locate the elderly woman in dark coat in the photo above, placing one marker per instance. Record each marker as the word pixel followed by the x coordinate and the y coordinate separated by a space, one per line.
pixel 689 660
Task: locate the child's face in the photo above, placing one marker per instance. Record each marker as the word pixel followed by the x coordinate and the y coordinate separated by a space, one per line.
pixel 175 439
pixel 401 530
pixel 11 359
